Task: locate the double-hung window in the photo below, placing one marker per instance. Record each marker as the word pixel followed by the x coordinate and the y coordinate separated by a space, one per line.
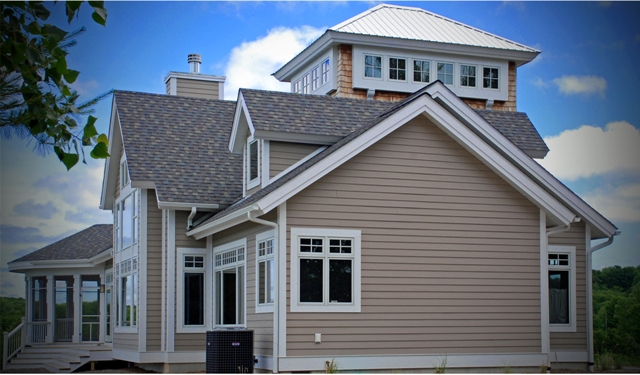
pixel 562 288
pixel 127 293
pixel 315 78
pixel 296 87
pixel 490 78
pixel 325 71
pixel 397 69
pixel 127 221
pixel 265 276
pixel 325 270
pixel 445 73
pixel 193 277
pixel 372 66
pixel 253 168
pixel 467 75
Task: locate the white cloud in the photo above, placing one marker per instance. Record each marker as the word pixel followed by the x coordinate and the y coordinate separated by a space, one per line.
pixel 621 203
pixel 252 63
pixel 589 151
pixel 540 83
pixel 585 85
pixel 86 87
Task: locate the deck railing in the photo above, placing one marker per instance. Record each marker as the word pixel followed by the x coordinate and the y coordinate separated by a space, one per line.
pixel 13 342
pixel 37 332
pixel 64 330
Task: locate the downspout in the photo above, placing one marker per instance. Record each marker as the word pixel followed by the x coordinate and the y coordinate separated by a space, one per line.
pixel 276 286
pixel 590 251
pixel 190 218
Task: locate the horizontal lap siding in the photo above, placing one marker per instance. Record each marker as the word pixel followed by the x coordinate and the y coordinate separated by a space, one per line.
pixel 125 341
pixel 262 323
pixel 574 340
pixel 198 89
pixel 450 252
pixel 282 155
pixel 185 341
pixel 154 272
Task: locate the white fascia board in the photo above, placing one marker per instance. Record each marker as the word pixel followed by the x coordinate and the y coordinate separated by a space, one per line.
pixel 179 206
pixel 314 139
pixel 288 70
pixel 520 158
pixel 111 169
pixel 59 264
pixel 239 132
pixel 195 77
pixel 235 218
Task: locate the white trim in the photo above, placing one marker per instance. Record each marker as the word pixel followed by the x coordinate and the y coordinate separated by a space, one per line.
pixel 571 250
pixel 265 163
pixel 181 206
pixel 256 181
pixel 298 163
pixel 296 137
pixel 589 286
pixel 194 77
pixel 220 249
pixel 115 144
pixel 221 224
pixel 142 271
pixel 163 298
pixel 545 340
pixel 264 362
pixel 569 356
pixel 266 307
pixel 238 132
pixel 171 280
pixel 355 234
pixel 207 271
pixel 209 288
pixel 388 362
pixel 280 334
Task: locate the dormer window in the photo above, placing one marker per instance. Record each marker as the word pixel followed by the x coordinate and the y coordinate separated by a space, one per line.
pixel 421 70
pixel 296 87
pixel 325 71
pixel 397 69
pixel 467 75
pixel 253 169
pixel 445 73
pixel 490 78
pixel 305 84
pixel 124 174
pixel 372 66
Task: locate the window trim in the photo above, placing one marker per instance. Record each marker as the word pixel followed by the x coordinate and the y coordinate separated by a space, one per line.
pixel 453 72
pixel 315 78
pixel 406 68
pixel 256 181
pixel 120 272
pixel 497 79
pixel 413 70
pixel 324 72
pixel 571 250
pixel 364 67
pixel 181 253
pixel 355 234
pixel 221 249
pixel 260 237
pixel 460 76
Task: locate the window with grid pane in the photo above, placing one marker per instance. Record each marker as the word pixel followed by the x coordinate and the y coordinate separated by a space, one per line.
pixel 421 71
pixel 265 271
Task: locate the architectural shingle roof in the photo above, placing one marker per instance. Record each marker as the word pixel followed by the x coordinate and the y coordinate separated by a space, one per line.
pixel 309 114
pixel 181 144
pixel 517 127
pixel 395 21
pixel 85 244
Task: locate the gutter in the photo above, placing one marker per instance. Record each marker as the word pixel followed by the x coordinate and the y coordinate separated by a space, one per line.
pixel 590 251
pixel 276 304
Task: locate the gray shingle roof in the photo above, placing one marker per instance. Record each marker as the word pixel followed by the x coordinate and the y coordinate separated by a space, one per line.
pixel 309 114
pixel 85 244
pixel 517 127
pixel 181 144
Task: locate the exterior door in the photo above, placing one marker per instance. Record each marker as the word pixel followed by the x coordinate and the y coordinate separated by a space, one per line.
pixel 90 299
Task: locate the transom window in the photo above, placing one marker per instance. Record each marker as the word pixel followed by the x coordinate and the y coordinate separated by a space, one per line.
pixel 373 66
pixel 326 269
pixel 467 75
pixel 490 78
pixel 445 73
pixel 397 69
pixel 421 71
pixel 265 276
pixel 562 288
pixel 325 71
pixel 315 78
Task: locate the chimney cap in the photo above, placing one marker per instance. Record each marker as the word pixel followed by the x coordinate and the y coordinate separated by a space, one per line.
pixel 194 60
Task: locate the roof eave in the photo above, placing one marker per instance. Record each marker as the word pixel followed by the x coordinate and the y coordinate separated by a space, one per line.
pixel 225 222
pixel 285 73
pixel 110 172
pixel 27 265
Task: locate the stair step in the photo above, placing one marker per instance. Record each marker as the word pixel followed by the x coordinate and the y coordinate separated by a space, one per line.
pixel 12 366
pixel 58 364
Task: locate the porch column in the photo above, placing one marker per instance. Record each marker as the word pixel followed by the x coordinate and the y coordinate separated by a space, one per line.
pixel 77 308
pixel 103 308
pixel 28 308
pixel 51 308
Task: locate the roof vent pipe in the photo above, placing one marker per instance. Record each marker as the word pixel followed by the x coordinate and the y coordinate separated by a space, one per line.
pixel 194 62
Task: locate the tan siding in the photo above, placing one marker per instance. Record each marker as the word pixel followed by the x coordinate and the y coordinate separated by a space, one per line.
pixel 182 240
pixel 184 342
pixel 261 324
pixel 125 341
pixel 450 252
pixel 198 89
pixel 574 340
pixel 154 272
pixel 282 155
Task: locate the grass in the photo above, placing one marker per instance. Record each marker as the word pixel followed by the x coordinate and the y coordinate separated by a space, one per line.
pixel 331 367
pixel 441 368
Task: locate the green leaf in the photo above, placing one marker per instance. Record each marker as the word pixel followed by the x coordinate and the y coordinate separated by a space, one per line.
pixel 71 9
pixel 89 128
pixel 66 91
pixel 54 31
pixel 71 75
pixel 102 138
pixel 100 151
pixel 100 17
pixel 69 160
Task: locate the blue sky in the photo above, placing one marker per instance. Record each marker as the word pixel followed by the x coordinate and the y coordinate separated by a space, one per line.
pixel 580 93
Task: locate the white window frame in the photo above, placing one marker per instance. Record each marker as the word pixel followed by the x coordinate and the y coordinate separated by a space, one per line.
pixel 460 76
pixel 207 271
pixel 571 250
pixel 496 79
pixel 324 71
pixel 413 71
pixel 256 181
pixel 406 69
pixel 131 270
pixel 222 249
pixel 262 237
pixel 124 173
pixel 326 306
pixel 296 87
pixel 364 67
pixel 453 72
pixel 315 78
pixel 305 84
pixel 135 219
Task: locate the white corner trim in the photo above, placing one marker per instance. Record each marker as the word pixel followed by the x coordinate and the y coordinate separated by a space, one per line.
pixel 572 326
pixel 142 272
pixel 544 287
pixel 171 280
pixel 280 335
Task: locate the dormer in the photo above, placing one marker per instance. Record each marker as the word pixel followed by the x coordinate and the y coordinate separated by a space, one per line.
pixel 379 55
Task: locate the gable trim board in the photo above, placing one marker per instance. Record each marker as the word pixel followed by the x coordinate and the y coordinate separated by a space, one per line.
pixel 422 104
pixel 107 196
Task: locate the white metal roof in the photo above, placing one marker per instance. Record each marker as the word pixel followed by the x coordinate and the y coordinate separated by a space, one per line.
pixel 418 24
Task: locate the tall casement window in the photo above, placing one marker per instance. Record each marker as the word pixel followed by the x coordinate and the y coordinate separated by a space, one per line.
pixel 305 84
pixel 325 71
pixel 315 78
pixel 421 71
pixel 490 78
pixel 467 75
pixel 372 66
pixel 229 283
pixel 325 270
pixel 397 69
pixel 253 160
pixel 265 274
pixel 296 87
pixel 127 222
pixel 445 73
pixel 193 278
pixel 127 293
pixel 124 174
pixel 562 288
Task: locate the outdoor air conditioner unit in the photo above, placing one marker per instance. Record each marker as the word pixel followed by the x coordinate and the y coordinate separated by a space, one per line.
pixel 229 351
